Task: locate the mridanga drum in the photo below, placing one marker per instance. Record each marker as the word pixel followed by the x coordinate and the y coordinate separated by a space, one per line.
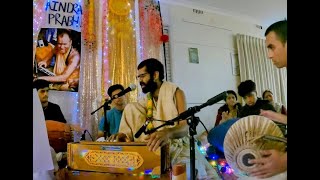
pixel 246 137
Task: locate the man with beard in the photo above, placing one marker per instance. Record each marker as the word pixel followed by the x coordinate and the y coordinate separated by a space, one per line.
pixel 163 101
pixel 67 63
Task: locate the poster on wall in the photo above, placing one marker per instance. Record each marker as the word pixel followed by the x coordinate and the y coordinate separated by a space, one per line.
pixel 58 51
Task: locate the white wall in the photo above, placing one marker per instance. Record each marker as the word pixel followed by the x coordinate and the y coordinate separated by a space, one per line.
pixel 214 36
pixel 68 102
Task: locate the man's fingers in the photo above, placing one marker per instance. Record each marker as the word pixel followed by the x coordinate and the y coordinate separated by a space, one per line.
pixel 156 146
pixel 265 152
pixel 150 139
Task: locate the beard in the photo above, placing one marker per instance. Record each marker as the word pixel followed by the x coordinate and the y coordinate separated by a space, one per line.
pixel 151 86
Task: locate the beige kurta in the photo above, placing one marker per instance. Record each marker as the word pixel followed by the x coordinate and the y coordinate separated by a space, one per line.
pixel 134 116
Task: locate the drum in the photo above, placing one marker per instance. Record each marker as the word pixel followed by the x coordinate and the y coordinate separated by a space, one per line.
pixel 246 137
pixel 59 135
pixel 217 134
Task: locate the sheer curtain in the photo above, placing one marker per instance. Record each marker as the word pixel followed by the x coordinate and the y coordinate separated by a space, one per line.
pixel 255 65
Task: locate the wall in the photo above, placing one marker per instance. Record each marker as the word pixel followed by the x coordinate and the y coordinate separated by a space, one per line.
pixel 214 36
pixel 68 102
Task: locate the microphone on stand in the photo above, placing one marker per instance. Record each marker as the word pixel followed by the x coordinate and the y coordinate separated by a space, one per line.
pixel 184 114
pixel 141 130
pixel 128 89
pixel 195 109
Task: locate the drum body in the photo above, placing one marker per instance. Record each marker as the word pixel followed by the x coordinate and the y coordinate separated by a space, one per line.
pixel 59 135
pixel 217 134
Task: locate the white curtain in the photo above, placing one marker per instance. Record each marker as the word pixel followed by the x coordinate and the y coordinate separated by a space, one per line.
pixel 255 65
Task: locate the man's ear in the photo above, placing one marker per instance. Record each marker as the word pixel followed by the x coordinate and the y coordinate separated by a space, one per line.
pixel 156 75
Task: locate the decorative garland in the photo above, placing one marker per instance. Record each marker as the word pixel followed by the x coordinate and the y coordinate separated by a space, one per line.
pixel 149 111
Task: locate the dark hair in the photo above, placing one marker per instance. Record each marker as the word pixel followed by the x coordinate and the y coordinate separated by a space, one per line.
pixel 114 87
pixel 264 92
pixel 153 65
pixel 61 32
pixel 280 28
pixel 231 92
pixel 246 87
pixel 40 84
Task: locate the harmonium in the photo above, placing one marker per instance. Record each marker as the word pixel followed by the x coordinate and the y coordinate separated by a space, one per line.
pixel 124 158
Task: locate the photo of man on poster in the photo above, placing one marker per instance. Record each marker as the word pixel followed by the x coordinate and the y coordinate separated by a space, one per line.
pixel 57 58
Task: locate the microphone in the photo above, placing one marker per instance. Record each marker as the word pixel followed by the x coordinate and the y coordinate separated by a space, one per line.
pixel 128 89
pixel 141 130
pixel 195 109
pixel 184 114
pixel 215 99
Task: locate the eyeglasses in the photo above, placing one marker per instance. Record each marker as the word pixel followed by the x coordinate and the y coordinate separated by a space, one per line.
pixel 142 75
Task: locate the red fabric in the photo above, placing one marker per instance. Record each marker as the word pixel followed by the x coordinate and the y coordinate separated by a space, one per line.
pixel 218 118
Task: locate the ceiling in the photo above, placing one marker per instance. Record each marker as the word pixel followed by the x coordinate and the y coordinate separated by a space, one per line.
pixel 263 12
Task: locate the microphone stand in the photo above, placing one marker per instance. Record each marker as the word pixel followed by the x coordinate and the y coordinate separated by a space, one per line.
pixel 192 121
pixel 106 107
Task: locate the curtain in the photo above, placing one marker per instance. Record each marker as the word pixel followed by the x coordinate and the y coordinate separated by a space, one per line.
pixel 255 65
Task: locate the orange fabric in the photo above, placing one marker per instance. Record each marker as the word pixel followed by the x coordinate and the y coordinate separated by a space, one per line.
pixel 59 135
pixel 43 52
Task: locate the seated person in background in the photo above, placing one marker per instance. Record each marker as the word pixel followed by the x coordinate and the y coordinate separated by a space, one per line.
pixel 254 106
pixel 163 101
pixel 247 90
pixel 114 115
pixel 57 128
pixel 280 108
pixel 51 111
pixel 230 109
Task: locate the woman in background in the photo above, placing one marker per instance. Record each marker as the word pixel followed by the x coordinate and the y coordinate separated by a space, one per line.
pixel 280 108
pixel 230 109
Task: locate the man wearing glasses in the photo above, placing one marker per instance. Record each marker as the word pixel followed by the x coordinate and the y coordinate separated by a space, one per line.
pixel 163 101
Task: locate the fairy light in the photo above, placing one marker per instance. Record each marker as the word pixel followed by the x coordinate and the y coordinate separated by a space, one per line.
pixel 105 43
pixel 38 9
pixel 213 163
pixel 148 171
pixel 218 162
pixel 203 150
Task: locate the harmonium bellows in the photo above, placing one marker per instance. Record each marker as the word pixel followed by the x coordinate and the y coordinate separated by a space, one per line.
pixel 118 157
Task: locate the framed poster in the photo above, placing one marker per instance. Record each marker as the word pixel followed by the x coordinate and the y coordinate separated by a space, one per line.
pixel 193 55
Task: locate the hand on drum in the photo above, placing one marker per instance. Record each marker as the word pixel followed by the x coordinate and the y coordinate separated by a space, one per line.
pixel 119 137
pixel 274 116
pixel 157 139
pixel 272 162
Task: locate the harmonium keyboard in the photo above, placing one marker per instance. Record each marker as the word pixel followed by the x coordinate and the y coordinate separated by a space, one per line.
pixel 131 158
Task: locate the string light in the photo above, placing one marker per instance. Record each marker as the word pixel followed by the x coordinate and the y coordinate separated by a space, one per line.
pixel 105 43
pixel 216 162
